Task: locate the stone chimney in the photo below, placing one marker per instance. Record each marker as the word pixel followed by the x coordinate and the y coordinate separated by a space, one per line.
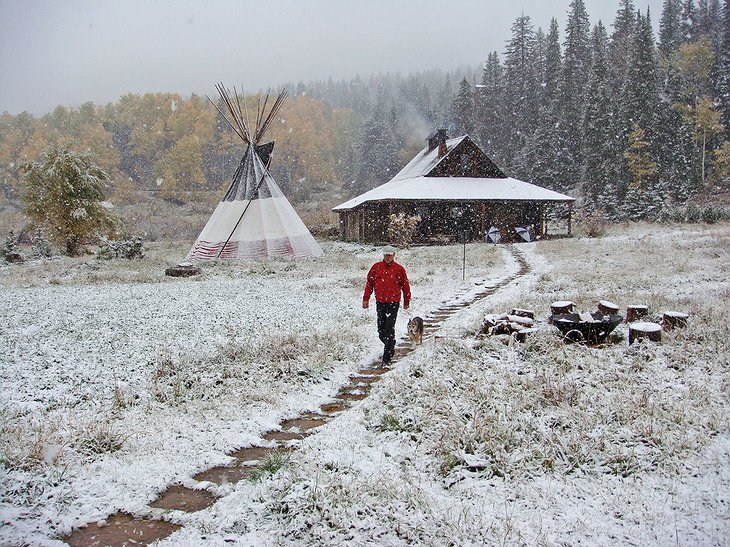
pixel 438 140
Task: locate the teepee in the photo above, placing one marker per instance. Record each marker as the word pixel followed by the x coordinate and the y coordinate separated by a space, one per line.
pixel 254 219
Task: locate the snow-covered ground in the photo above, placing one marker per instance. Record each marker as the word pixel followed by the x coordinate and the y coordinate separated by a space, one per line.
pixel 117 382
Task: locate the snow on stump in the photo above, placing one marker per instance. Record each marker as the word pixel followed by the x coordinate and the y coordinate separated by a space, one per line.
pixel 645 330
pixel 635 312
pixel 184 269
pixel 607 308
pixel 561 307
pixel 523 313
pixel 671 319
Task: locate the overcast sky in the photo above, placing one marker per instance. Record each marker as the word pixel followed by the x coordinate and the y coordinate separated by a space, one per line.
pixel 71 51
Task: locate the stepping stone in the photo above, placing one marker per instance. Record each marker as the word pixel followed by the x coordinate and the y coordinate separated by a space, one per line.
pixel 121 529
pixel 331 408
pixel 284 436
pixel 252 453
pixel 224 474
pixel 365 379
pixel 303 424
pixel 311 415
pixel 373 371
pixel 180 498
pixel 346 396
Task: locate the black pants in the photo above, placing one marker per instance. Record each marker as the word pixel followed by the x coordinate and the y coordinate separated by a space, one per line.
pixel 387 314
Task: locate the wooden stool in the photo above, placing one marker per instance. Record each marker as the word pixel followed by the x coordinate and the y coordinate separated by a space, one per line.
pixel 561 307
pixel 636 311
pixel 650 331
pixel 607 308
pixel 671 319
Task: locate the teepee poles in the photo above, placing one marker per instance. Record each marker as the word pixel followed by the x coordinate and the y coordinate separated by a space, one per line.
pixel 238 115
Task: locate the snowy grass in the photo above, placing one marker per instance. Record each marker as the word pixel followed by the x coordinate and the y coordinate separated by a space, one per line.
pixel 472 441
pixel 119 382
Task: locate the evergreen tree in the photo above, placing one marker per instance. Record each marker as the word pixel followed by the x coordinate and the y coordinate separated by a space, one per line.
pixel 640 99
pixel 544 149
pixel 489 103
pixel 621 42
pixel 380 143
pixel 690 25
pixel 553 71
pixel 463 109
pixel 520 89
pixel 670 28
pixel 576 65
pixel 724 71
pixel 675 157
pixel 599 175
pixel 641 92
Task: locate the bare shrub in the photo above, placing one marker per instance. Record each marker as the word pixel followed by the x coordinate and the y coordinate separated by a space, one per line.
pixel 125 248
pixel 593 223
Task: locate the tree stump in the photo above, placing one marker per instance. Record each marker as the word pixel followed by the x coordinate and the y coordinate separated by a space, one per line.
pixel 636 311
pixel 607 308
pixel 14 257
pixel 184 269
pixel 671 319
pixel 650 331
pixel 561 307
pixel 523 313
pixel 521 335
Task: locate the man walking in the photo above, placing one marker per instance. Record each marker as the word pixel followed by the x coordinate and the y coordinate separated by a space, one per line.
pixel 388 279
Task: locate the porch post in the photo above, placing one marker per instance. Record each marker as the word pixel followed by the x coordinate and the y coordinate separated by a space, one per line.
pixel 484 223
pixel 570 218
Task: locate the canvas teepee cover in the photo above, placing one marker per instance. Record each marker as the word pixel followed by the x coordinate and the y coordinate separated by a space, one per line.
pixel 254 219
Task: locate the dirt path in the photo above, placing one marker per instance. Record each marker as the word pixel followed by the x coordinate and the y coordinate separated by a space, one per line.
pixel 124 529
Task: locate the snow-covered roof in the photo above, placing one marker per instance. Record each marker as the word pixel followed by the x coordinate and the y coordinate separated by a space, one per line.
pixel 413 183
pixel 426 160
pixel 455 189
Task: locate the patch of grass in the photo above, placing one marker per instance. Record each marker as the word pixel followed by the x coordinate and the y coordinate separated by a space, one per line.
pixel 27 444
pixel 98 436
pixel 388 422
pixel 270 465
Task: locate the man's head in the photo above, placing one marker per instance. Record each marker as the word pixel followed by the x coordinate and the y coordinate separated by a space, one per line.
pixel 388 254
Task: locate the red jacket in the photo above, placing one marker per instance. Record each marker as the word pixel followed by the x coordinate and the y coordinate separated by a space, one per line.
pixel 388 280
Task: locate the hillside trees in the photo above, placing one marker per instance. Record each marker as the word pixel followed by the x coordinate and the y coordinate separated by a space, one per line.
pixel 560 112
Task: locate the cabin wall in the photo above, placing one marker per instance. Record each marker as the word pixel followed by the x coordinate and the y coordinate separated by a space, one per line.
pixel 445 221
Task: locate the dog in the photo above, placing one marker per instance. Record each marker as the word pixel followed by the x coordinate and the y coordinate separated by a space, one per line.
pixel 415 330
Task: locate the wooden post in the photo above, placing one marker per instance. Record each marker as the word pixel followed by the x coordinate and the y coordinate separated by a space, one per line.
pixel 570 218
pixel 483 235
pixel 650 331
